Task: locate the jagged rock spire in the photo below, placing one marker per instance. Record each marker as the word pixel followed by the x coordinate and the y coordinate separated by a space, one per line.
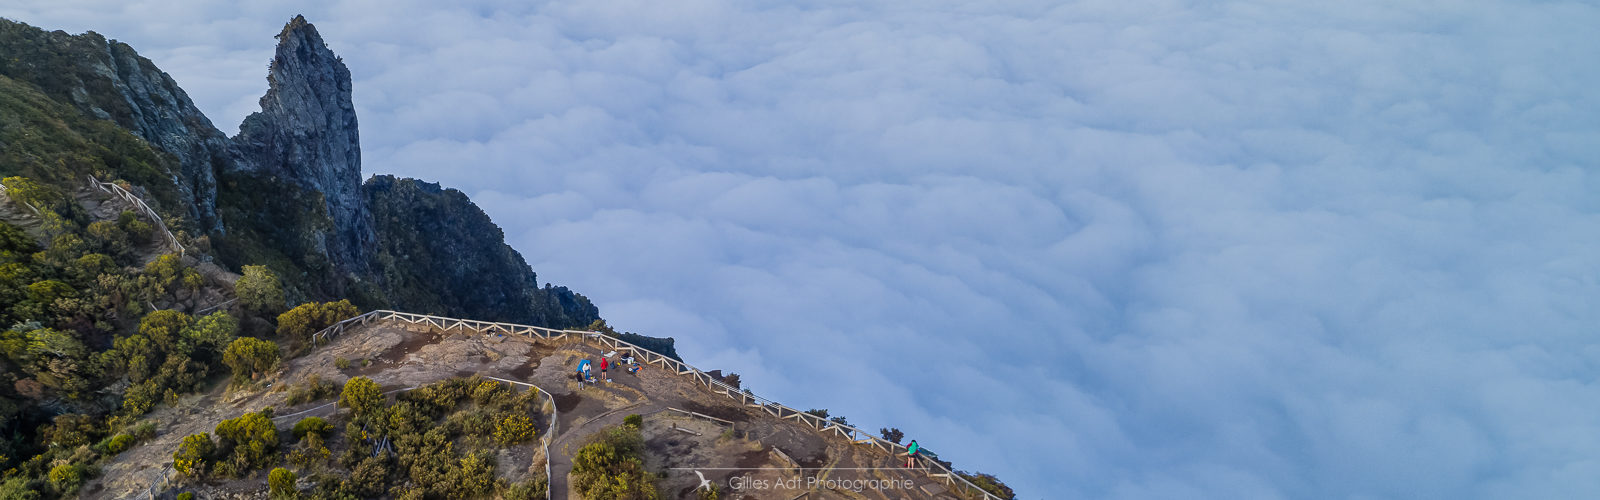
pixel 306 133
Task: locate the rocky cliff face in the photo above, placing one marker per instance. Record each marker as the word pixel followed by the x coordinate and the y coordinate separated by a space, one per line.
pixel 439 253
pixel 306 134
pixel 108 80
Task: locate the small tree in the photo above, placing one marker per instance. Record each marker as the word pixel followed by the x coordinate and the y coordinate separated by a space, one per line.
pixel 213 333
pixel 362 396
pixel 249 356
pixel 892 434
pixel 259 290
pixel 280 484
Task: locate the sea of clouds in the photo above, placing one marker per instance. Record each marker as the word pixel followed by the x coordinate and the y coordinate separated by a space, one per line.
pixel 1104 249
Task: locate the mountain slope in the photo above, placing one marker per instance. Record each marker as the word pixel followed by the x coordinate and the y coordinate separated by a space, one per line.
pixel 286 191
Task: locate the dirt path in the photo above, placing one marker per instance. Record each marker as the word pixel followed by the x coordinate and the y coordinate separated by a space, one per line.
pixel 560 449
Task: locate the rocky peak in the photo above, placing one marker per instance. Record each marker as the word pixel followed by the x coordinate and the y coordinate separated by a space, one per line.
pixel 306 134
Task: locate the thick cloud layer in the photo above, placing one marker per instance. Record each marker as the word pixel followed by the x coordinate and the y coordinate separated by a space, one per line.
pixel 1253 249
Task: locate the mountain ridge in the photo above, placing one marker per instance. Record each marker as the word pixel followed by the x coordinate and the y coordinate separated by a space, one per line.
pixel 286 191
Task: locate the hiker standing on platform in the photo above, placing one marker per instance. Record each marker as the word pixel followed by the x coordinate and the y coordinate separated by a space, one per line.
pixel 911 453
pixel 603 366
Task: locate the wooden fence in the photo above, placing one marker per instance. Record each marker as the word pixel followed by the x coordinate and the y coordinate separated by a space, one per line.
pixel 745 397
pixel 160 484
pixel 118 191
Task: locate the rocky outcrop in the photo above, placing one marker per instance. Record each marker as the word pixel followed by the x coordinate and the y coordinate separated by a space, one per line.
pixel 306 134
pixel 109 80
pixel 439 253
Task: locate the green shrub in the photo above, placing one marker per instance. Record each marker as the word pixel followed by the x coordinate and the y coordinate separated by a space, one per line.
pixel 311 452
pixel 513 429
pixel 41 196
pixel 362 396
pixel 532 489
pixel 473 476
pixel 193 455
pixel 186 496
pixel 341 363
pixel 163 273
pixel 66 478
pixel 634 420
pixel 119 443
pixel 612 466
pixel 18 488
pixel 165 327
pixel 280 484
pixel 143 431
pixel 489 393
pixel 299 323
pixel 370 477
pixel 472 422
pixel 312 425
pixel 249 357
pixel 70 430
pixel 712 493
pixel 251 439
pixel 313 389
pixel 407 417
pixel 213 333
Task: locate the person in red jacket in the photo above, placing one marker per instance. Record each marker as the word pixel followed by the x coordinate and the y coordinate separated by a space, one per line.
pixel 603 366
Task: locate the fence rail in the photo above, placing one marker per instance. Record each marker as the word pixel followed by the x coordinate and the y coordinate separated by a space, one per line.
pixel 934 469
pixel 160 484
pixel 118 191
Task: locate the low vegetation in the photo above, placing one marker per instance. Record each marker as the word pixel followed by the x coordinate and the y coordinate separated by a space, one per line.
pixel 990 484
pixel 437 441
pixel 313 388
pixel 611 465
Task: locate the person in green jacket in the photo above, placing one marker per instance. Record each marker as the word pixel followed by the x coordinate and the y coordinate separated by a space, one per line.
pixel 911 453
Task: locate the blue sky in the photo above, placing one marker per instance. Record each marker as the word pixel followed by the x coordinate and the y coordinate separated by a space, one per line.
pixel 1104 249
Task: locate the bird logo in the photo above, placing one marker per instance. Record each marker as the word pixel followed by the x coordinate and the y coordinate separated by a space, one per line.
pixel 704 483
